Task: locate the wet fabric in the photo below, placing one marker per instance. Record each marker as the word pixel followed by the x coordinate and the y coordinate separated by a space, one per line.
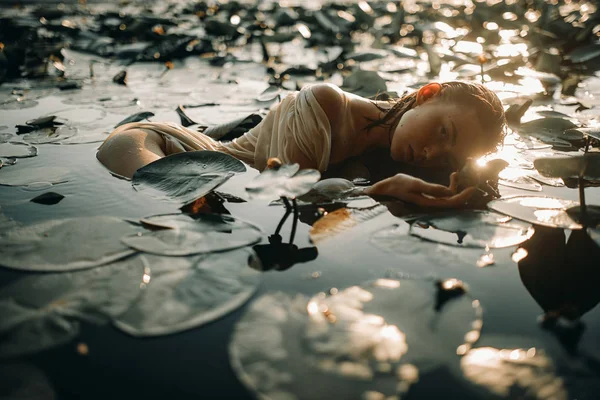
pixel 297 128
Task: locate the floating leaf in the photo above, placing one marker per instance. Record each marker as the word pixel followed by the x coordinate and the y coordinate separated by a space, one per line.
pixel 515 112
pixel 42 122
pixel 586 166
pixel 17 150
pixel 283 181
pixel 32 176
pixel 538 210
pixel 341 220
pixel 48 198
pixel 187 235
pixel 185 293
pixel 64 245
pixel 41 311
pixel 184 177
pixel 374 338
pixel 136 118
pixel 365 56
pixel 472 229
pixel 233 129
pixel 185 120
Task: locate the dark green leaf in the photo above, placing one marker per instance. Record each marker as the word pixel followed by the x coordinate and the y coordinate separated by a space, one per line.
pixel 135 118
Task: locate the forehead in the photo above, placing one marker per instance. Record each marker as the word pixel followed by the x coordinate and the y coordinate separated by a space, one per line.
pixel 470 135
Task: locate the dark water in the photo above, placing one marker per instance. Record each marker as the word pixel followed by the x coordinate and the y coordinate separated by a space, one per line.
pixel 195 363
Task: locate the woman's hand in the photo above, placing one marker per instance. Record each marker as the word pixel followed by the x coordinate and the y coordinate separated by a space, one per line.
pixel 425 194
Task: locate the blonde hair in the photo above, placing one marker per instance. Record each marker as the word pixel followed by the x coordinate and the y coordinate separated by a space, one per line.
pixel 490 111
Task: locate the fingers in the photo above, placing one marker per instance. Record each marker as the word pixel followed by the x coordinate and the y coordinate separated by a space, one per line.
pixel 434 189
pixel 455 201
pixel 453 181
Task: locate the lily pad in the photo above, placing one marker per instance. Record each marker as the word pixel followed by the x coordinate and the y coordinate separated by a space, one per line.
pixel 50 135
pixel 586 166
pixel 32 176
pixel 188 292
pixel 592 132
pixel 284 181
pixel 17 150
pixel 331 189
pixel 549 129
pixel 185 235
pixel 41 311
pixel 472 229
pixel 538 210
pixel 368 340
pixel 184 177
pixel 269 93
pixel 65 245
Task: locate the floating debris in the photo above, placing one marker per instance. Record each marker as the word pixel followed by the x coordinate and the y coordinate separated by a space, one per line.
pixel 48 198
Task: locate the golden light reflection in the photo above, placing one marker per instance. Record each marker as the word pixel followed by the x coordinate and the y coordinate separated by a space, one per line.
pixel 486 260
pixel 548 216
pixel 388 283
pixel 490 26
pixel 312 308
pixel 542 202
pixel 304 31
pixel 519 254
pixel 83 349
pixel 468 47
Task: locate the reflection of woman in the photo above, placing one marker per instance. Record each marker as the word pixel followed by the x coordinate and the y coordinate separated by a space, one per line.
pixel 321 126
pixel 562 277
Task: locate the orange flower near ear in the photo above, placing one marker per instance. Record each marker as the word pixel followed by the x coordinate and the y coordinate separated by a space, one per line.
pixel 274 163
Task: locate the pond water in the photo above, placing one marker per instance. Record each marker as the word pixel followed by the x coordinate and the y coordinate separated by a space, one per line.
pixel 460 319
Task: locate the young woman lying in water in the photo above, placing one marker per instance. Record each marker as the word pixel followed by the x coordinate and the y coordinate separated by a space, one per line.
pixel 321 126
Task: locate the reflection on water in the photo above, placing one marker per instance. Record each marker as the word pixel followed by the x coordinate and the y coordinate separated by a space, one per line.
pixel 561 273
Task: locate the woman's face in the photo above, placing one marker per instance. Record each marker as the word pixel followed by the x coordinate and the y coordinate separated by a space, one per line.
pixel 438 133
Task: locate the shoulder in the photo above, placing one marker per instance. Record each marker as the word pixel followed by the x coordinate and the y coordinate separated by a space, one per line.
pixel 330 98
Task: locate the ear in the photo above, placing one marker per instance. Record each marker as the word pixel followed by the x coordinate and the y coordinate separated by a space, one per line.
pixel 428 91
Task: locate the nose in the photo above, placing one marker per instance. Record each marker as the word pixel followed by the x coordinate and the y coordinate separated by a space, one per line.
pixel 433 153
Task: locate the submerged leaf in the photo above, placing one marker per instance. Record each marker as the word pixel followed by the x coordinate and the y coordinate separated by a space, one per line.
pixel 30 176
pixel 17 150
pixel 187 235
pixel 472 229
pixel 373 338
pixel 283 181
pixel 186 293
pixel 64 245
pixel 50 135
pixel 41 311
pixel 184 177
pixel 342 220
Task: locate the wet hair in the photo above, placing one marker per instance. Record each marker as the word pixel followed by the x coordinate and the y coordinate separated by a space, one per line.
pixel 490 111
